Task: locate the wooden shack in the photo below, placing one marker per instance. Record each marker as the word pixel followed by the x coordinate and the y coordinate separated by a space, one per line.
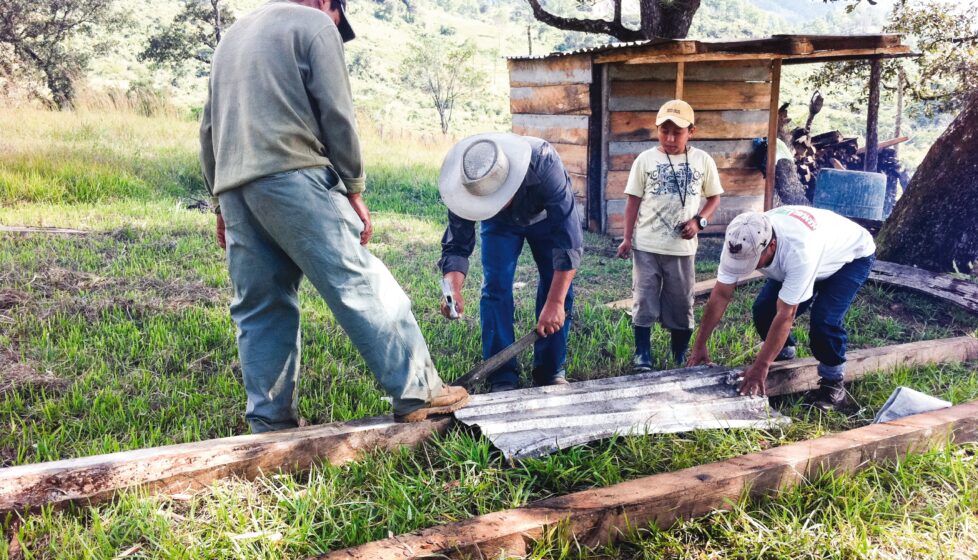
pixel 597 107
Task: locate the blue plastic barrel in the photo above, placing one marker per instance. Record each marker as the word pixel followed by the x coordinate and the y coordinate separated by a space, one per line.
pixel 856 194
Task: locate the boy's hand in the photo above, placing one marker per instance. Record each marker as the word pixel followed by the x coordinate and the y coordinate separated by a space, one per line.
pixel 625 249
pixel 690 229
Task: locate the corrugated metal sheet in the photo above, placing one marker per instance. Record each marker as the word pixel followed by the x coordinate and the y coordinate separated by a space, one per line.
pixel 539 421
pixel 582 50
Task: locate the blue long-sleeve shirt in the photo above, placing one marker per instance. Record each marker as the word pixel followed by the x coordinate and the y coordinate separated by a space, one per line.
pixel 545 194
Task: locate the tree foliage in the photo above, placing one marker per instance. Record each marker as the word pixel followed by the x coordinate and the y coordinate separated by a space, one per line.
pixel 444 71
pixel 945 73
pixel 192 36
pixel 47 40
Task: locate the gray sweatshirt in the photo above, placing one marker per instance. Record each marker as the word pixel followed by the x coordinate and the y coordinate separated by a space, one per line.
pixel 279 99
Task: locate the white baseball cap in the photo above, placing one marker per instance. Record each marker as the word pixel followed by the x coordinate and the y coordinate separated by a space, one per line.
pixel 747 237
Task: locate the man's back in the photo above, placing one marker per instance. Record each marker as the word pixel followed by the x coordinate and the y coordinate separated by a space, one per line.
pixel 280 98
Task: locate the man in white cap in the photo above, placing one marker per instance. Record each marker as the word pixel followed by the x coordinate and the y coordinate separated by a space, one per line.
pixel 666 186
pixel 281 154
pixel 518 188
pixel 813 259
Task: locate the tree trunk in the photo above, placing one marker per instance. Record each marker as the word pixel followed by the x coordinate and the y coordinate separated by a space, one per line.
pixel 667 19
pixel 934 226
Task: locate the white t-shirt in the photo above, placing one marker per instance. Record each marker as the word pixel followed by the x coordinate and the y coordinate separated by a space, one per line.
pixel 659 179
pixel 813 244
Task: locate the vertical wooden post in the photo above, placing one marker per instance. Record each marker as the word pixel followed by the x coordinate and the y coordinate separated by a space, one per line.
pixel 605 138
pixel 873 117
pixel 772 134
pixel 680 79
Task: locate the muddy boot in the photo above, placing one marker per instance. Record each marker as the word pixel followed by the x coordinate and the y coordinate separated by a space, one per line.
pixel 830 392
pixel 786 353
pixel 449 400
pixel 643 349
pixel 679 344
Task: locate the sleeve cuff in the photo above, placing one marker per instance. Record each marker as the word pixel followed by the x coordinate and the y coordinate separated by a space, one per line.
pixel 453 263
pixel 355 184
pixel 567 259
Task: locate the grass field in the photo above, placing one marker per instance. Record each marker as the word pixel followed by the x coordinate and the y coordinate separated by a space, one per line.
pixel 121 339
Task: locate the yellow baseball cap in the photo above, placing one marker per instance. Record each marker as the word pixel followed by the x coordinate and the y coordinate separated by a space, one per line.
pixel 677 111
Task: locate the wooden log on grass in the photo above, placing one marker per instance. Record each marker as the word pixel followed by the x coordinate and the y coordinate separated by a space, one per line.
pixel 604 515
pixel 191 466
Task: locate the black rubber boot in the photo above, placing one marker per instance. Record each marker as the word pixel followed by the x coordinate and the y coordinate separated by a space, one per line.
pixel 643 349
pixel 679 345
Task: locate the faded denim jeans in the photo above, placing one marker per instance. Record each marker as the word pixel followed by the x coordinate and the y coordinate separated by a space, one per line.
pixel 280 228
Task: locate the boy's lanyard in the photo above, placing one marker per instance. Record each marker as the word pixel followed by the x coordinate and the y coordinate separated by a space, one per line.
pixel 682 188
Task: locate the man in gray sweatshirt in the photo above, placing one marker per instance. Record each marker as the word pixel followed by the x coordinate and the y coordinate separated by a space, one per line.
pixel 280 153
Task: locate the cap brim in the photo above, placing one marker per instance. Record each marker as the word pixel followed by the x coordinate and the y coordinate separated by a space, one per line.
pixel 738 268
pixel 471 207
pixel 346 32
pixel 681 123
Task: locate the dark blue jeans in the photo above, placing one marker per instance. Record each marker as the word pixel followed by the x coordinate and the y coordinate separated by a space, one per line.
pixel 829 304
pixel 502 244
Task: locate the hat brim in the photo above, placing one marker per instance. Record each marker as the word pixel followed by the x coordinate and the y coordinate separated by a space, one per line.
pixel 473 207
pixel 346 31
pixel 681 123
pixel 738 268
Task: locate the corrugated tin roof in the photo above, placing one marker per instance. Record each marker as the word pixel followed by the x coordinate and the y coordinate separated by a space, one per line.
pixel 539 421
pixel 597 48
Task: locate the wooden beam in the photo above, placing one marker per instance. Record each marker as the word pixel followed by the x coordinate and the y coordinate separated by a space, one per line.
pixel 191 466
pixel 816 56
pixel 603 515
pixel 873 117
pixel 772 134
pixel 680 79
pixel 46 230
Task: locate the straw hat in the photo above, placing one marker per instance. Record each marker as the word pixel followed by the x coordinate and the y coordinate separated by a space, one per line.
pixel 481 173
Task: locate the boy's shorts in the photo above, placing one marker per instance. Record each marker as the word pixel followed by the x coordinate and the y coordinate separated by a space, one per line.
pixel 662 290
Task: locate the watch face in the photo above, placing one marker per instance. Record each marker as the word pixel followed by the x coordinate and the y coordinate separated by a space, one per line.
pixel 703 223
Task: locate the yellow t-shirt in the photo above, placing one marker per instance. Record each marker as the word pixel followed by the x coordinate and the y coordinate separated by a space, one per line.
pixel 660 180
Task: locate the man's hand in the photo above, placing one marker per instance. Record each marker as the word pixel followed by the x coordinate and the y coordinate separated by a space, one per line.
pixel 699 356
pixel 456 279
pixel 221 239
pixel 690 229
pixel 755 381
pixel 551 318
pixel 360 207
pixel 625 249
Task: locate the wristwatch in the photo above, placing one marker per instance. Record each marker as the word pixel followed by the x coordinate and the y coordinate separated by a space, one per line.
pixel 703 222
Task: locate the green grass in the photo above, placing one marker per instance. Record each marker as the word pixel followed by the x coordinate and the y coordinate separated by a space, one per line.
pixel 132 322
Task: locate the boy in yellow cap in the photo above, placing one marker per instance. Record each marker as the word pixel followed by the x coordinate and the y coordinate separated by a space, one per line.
pixel 662 220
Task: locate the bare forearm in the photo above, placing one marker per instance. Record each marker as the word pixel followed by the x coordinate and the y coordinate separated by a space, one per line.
pixel 710 207
pixel 777 334
pixel 560 285
pixel 632 204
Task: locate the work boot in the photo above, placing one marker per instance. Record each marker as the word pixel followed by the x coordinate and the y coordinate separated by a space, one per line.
pixel 679 344
pixel 449 400
pixel 829 395
pixel 786 353
pixel 501 387
pixel 643 349
pixel 540 379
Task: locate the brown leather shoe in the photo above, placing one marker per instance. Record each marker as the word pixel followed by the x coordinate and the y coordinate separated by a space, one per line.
pixel 449 400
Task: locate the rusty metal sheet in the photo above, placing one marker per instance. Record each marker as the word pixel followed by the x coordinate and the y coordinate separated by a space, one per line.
pixel 535 422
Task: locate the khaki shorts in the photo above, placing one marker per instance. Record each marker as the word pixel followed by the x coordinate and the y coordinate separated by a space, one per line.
pixel 662 290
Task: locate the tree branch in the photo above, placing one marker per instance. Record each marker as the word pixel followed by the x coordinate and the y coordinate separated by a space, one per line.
pixel 613 28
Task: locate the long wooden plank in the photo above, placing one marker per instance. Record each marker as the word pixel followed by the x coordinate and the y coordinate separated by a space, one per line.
pixel 190 466
pixel 702 96
pixel 630 126
pixel 568 99
pixel 573 156
pixel 45 230
pixel 603 515
pixel 542 72
pixel 563 129
pixel 738 70
pixel 726 153
pixel 772 134
pixel 962 293
pixel 735 182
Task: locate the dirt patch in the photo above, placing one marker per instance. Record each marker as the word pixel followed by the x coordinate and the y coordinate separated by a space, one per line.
pixel 10 298
pixel 18 374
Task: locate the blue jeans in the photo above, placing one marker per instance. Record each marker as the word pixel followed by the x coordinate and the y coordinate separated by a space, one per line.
pixel 502 244
pixel 300 223
pixel 829 303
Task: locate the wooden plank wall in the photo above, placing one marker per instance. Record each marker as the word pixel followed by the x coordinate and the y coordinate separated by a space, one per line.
pixel 550 99
pixel 731 101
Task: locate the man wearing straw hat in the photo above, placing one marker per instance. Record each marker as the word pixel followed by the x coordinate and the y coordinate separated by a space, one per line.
pixel 280 150
pixel 518 188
